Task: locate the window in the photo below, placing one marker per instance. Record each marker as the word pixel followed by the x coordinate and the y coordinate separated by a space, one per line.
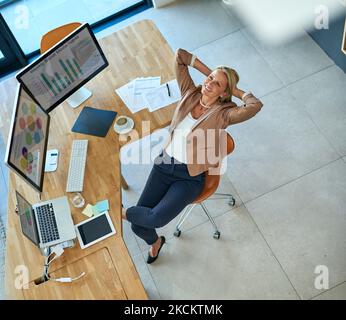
pixel 28 20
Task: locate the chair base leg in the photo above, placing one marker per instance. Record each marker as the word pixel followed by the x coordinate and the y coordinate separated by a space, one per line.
pixel 186 213
pixel 217 233
pixel 231 200
pixel 182 218
pixel 177 233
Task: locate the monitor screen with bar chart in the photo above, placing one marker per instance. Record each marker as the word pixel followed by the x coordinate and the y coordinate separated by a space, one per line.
pixel 64 68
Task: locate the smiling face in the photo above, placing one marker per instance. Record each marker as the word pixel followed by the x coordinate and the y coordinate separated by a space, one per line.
pixel 215 84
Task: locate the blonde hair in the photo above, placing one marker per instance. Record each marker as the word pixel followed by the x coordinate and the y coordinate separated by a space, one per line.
pixel 232 79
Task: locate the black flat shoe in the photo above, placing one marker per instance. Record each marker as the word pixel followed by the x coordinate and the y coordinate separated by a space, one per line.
pixel 152 259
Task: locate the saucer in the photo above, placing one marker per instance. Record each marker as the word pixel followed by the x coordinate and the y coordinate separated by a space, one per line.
pixel 124 128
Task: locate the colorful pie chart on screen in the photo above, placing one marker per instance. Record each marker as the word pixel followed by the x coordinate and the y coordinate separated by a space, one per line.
pixel 32 126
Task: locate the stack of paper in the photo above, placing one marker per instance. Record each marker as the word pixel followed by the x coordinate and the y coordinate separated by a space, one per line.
pixel 133 92
pixel 162 96
pixel 144 93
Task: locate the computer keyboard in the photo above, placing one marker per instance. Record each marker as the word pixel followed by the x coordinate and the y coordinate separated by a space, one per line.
pixel 47 223
pixel 75 178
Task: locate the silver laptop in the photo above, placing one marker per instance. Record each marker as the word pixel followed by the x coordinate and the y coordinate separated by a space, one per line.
pixel 46 223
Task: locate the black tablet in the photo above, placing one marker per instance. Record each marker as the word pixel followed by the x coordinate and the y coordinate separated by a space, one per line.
pixel 94 229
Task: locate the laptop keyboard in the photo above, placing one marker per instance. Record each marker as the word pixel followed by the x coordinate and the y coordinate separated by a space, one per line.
pixel 47 223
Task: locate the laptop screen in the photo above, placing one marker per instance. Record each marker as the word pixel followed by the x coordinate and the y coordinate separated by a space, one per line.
pixel 27 219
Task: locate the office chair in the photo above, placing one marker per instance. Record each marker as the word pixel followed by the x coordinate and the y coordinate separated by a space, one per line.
pixel 210 186
pixel 52 37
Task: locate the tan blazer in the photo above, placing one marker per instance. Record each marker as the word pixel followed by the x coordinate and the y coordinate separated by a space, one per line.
pixel 206 143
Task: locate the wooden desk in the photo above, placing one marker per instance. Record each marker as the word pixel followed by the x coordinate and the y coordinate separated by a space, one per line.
pixel 138 50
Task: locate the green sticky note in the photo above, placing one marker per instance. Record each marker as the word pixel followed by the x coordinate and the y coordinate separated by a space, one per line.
pixel 89 210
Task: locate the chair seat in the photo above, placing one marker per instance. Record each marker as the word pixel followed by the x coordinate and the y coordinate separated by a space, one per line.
pixel 210 186
pixel 212 181
pixel 52 37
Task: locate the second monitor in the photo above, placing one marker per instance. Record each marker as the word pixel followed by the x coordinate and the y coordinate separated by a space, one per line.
pixel 27 142
pixel 64 68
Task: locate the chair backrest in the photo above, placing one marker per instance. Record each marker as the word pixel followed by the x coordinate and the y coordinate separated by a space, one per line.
pixel 212 181
pixel 54 36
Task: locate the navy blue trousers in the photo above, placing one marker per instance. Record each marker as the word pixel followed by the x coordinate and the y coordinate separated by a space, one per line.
pixel 168 190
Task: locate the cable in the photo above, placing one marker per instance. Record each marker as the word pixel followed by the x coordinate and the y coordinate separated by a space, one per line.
pixel 50 255
pixel 68 279
pixel 64 279
pixel 58 250
pixel 49 262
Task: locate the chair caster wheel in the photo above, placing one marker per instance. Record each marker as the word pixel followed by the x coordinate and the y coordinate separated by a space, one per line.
pixel 232 202
pixel 217 235
pixel 177 233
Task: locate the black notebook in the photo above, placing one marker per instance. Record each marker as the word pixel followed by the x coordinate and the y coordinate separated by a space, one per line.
pixel 93 121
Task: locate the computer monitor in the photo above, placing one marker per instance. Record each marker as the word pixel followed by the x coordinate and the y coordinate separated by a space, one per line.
pixel 64 68
pixel 27 141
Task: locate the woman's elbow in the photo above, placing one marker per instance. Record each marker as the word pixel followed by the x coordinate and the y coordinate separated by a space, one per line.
pixel 259 105
pixel 178 53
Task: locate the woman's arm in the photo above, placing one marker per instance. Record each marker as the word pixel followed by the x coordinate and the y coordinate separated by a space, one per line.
pixel 251 106
pixel 183 59
pixel 238 93
pixel 200 66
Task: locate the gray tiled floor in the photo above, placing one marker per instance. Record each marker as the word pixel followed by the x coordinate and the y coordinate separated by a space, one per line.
pixel 3 184
pixel 276 144
pixel 173 19
pixel 146 277
pixel 304 223
pixel 287 172
pixel 3 203
pixel 3 216
pixel 336 293
pixel 236 51
pixel 2 260
pixel 229 267
pixel 292 61
pixel 323 96
pixel 286 168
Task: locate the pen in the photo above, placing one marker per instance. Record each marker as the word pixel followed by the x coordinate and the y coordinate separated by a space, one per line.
pixel 169 93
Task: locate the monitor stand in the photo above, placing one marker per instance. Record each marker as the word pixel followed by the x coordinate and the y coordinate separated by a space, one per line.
pixel 76 99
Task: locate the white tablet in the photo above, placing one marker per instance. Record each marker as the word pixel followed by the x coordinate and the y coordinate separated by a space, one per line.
pixel 94 229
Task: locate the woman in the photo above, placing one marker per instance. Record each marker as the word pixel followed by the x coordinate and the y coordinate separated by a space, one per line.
pixel 177 177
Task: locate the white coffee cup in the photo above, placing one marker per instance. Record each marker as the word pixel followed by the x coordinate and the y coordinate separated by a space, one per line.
pixel 123 124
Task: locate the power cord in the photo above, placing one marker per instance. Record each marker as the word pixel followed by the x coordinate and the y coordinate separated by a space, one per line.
pixel 58 250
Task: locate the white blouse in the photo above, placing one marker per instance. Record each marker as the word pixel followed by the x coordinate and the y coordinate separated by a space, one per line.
pixel 177 147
